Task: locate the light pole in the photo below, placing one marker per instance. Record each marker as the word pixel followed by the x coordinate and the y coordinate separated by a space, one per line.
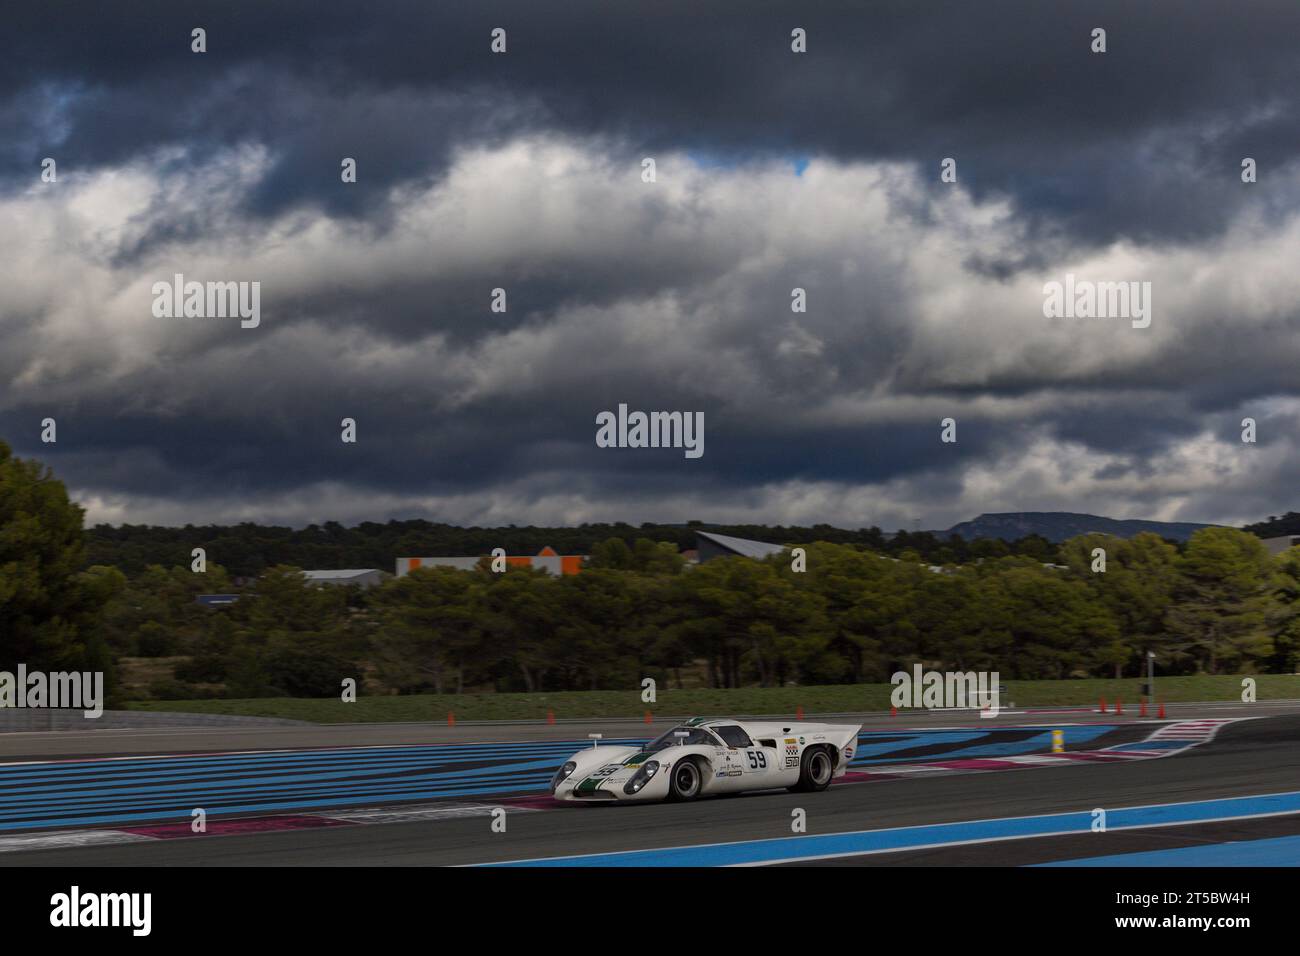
pixel 1151 678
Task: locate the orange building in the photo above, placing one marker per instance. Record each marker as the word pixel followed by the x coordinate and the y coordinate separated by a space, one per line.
pixel 546 559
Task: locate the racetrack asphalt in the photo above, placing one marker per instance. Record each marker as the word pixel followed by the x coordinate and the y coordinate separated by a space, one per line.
pixel 1252 757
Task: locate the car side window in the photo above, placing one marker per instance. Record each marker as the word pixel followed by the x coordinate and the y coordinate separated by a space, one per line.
pixel 734 736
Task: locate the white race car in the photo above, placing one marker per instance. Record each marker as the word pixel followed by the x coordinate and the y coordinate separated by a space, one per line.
pixel 705 757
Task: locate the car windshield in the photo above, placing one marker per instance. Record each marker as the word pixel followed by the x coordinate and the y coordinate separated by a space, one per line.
pixel 694 735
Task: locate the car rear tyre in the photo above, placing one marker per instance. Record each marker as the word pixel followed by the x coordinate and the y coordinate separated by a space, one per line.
pixel 815 770
pixel 685 780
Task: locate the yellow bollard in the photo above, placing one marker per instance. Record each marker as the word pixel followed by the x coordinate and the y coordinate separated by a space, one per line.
pixel 1058 741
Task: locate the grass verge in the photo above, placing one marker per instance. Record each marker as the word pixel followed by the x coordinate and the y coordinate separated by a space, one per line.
pixel 745 700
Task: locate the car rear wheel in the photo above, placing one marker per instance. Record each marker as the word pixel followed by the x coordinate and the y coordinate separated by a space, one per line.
pixel 815 770
pixel 685 780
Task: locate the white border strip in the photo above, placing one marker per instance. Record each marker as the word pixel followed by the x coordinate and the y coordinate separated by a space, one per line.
pixel 925 826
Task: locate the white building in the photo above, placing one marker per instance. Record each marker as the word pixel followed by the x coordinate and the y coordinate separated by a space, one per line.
pixel 365 577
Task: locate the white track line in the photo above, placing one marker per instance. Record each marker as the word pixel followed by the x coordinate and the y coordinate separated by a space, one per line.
pixel 411 814
pixel 68 838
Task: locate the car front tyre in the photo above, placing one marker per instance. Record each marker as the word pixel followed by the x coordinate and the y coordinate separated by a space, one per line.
pixel 815 770
pixel 685 780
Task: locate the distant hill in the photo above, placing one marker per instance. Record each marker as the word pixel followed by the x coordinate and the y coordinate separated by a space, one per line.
pixel 1060 525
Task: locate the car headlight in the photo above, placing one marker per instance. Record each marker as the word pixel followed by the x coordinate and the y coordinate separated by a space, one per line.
pixel 642 776
pixel 563 774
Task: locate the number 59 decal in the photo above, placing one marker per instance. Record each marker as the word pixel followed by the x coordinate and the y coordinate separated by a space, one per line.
pixel 757 759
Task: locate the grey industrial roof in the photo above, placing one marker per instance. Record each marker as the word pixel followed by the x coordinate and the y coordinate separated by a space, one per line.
pixel 349 573
pixel 742 546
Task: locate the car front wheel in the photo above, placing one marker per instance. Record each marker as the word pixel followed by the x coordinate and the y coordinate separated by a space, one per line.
pixel 685 780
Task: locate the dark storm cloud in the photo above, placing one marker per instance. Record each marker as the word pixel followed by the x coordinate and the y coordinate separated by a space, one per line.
pixel 1143 141
pixel 818 171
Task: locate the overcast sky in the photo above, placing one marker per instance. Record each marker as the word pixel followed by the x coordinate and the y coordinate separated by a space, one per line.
pixel 774 170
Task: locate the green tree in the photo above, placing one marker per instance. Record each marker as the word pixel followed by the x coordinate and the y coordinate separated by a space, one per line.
pixel 428 631
pixel 157 614
pixel 1137 587
pixel 950 625
pixel 48 611
pixel 646 555
pixel 611 553
pixel 521 613
pixel 866 599
pixel 600 636
pixel 737 613
pixel 1056 627
pixel 1226 604
pixel 1286 643
pixel 284 605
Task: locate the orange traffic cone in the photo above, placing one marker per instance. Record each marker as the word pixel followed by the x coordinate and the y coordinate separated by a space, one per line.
pixel 1162 708
pixel 649 718
pixel 550 716
pixel 451 719
pixel 1143 711
pixel 1102 705
pixel 893 712
pixel 1119 706
pixel 798 713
